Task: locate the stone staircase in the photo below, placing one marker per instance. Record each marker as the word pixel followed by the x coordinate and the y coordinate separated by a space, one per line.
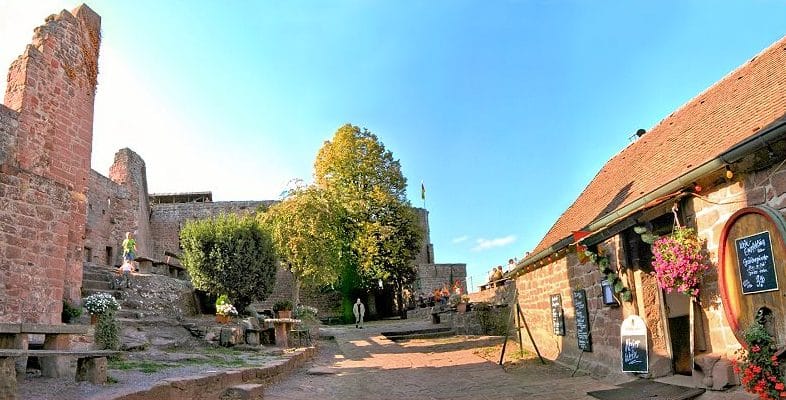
pixel 151 310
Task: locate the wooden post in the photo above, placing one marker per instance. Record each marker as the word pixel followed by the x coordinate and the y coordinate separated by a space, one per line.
pixel 531 339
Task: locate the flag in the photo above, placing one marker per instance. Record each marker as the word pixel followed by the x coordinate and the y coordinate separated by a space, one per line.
pixel 422 190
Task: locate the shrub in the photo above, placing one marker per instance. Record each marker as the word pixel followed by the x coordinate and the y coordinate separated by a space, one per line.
pixel 70 313
pixel 107 333
pixel 230 254
pixel 282 305
pixel 100 303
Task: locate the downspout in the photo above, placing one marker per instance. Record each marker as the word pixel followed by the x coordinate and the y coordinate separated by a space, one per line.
pixel 775 132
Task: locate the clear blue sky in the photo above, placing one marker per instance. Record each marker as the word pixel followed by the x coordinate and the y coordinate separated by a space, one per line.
pixel 504 109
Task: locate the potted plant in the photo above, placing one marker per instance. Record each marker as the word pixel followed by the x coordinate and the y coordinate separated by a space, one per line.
pixel 224 310
pixel 283 309
pixel 98 304
pixel 463 304
pixel 679 261
pixel 758 365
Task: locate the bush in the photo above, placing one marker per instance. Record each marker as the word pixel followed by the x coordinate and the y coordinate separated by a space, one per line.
pixel 107 333
pixel 282 305
pixel 100 303
pixel 70 313
pixel 230 254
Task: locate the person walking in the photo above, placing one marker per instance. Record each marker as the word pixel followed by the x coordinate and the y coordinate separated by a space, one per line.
pixel 129 247
pixel 359 310
pixel 125 270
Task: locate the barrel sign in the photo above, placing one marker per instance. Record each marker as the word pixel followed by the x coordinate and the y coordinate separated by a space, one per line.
pixel 756 263
pixel 633 345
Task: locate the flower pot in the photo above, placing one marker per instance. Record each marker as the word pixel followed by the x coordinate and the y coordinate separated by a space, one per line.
pixel 461 308
pixel 222 319
pixel 93 319
pixel 284 313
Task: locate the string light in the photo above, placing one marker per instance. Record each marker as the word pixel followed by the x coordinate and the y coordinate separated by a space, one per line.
pixel 696 187
pixel 729 173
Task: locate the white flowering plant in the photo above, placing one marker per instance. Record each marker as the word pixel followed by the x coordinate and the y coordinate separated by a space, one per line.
pixel 304 310
pixel 226 309
pixel 100 303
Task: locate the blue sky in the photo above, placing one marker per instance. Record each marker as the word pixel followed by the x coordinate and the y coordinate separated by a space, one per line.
pixel 504 109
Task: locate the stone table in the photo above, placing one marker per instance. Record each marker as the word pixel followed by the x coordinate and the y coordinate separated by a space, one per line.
pixel 281 327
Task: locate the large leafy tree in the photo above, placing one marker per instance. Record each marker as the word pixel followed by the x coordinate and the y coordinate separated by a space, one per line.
pixel 308 229
pixel 232 255
pixel 382 229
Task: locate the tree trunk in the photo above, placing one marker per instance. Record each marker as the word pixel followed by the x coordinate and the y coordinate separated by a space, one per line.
pixel 295 291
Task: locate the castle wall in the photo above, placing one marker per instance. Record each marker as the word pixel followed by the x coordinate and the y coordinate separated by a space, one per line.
pixel 45 154
pixel 166 220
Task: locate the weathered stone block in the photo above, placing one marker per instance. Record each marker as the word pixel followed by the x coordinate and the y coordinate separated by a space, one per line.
pixel 7 379
pixel 722 375
pixel 249 391
pixel 252 338
pixel 92 370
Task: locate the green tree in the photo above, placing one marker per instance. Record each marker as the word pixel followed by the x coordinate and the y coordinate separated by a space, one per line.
pixel 231 255
pixel 308 229
pixel 382 229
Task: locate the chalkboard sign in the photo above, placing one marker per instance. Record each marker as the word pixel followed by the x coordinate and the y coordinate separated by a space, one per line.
pixel 582 320
pixel 633 345
pixel 557 319
pixel 757 266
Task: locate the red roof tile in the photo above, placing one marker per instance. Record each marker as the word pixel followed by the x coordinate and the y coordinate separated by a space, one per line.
pixel 733 109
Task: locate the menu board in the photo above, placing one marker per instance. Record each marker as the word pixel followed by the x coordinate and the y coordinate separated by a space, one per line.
pixel 633 345
pixel 582 320
pixel 757 266
pixel 557 318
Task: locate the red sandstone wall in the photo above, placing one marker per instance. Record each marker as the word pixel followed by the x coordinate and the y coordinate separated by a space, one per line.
pixel 167 219
pixel 45 167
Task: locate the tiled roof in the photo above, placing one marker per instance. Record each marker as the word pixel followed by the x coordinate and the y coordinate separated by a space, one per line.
pixel 735 108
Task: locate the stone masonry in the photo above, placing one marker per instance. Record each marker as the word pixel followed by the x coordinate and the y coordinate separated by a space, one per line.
pixel 46 129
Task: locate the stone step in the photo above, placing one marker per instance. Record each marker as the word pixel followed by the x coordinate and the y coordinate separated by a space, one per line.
pixel 247 391
pixel 91 284
pixel 96 276
pixel 148 320
pixel 118 294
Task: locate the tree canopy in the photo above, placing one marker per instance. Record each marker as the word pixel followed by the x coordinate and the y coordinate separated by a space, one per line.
pixel 232 255
pixel 356 168
pixel 308 230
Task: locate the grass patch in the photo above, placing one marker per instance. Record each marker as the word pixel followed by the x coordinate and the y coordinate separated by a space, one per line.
pixel 147 367
pixel 513 356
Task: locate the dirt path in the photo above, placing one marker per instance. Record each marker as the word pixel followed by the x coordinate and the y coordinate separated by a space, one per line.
pixel 363 364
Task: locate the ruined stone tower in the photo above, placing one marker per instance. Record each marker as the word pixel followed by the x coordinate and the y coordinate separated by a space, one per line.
pixel 46 132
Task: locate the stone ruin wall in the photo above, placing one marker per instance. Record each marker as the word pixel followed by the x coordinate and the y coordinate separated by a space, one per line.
pixel 434 276
pixel 115 205
pixel 45 147
pixel 166 220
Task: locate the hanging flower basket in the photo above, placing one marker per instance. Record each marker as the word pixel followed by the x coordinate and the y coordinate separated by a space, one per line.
pixel 680 262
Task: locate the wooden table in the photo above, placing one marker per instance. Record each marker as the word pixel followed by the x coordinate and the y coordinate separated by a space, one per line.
pixel 281 327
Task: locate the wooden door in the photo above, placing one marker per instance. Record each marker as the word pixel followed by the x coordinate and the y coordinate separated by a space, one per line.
pixel 752 269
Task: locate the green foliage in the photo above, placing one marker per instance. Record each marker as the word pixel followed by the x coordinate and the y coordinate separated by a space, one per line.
pixel 309 231
pixel 383 233
pixel 221 300
pixel 70 313
pixel 107 334
pixel 601 259
pixel 282 305
pixel 230 254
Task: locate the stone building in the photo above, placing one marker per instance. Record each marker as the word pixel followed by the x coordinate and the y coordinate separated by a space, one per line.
pixel 56 214
pixel 717 165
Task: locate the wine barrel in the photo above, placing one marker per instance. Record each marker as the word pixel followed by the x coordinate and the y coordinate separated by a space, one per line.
pixel 751 272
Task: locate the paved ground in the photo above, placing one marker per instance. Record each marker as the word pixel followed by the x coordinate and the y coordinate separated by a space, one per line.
pixel 363 364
